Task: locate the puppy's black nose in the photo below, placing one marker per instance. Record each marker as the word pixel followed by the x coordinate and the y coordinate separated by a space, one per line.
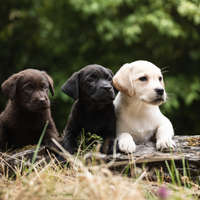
pixel 42 100
pixel 107 87
pixel 159 91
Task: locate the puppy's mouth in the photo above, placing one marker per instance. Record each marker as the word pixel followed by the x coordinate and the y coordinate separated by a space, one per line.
pixel 37 108
pixel 102 100
pixel 156 102
pixel 40 109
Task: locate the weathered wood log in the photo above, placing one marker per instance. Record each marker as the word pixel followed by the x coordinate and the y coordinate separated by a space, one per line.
pixel 146 152
pixel 188 150
pixel 9 161
pixel 186 156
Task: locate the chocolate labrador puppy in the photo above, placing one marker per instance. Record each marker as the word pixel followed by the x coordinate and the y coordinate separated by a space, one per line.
pixel 28 110
pixel 93 110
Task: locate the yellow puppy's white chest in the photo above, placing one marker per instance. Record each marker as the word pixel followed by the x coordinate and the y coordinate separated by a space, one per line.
pixel 140 129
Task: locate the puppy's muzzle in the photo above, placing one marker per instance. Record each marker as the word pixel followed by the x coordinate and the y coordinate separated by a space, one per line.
pixel 160 98
pixel 104 94
pixel 159 91
pixel 39 104
pixel 42 100
pixel 107 88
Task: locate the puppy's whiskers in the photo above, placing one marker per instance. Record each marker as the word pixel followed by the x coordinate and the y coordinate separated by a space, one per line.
pixel 169 96
pixel 54 103
pixel 162 70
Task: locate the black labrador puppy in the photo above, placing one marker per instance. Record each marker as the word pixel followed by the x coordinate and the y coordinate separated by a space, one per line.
pixel 93 110
pixel 27 111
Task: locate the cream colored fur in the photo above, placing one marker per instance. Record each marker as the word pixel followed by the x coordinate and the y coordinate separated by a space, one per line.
pixel 137 107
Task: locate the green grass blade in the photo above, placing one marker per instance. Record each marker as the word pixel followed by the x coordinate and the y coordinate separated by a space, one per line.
pixel 189 174
pixel 170 172
pixel 39 143
pixel 126 171
pixel 176 172
pixel 174 167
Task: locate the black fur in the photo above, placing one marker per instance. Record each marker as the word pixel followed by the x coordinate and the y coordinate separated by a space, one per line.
pixel 93 109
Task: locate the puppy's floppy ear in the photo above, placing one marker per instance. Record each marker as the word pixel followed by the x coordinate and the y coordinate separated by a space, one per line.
pixel 50 80
pixel 71 86
pixel 122 80
pixel 9 86
pixel 110 71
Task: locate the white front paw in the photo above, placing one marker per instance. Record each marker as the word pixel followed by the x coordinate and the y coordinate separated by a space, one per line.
pixel 126 143
pixel 165 143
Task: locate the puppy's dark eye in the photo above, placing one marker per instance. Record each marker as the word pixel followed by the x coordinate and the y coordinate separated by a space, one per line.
pixel 45 87
pixel 144 78
pixel 90 80
pixel 27 89
pixel 160 78
pixel 109 78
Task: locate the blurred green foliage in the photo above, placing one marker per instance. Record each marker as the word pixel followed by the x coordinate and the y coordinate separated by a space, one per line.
pixel 63 36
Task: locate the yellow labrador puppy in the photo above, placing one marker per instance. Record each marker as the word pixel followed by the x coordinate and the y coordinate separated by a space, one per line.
pixel 139 118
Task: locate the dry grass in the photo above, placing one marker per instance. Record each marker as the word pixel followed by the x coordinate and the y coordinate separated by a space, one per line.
pixel 97 182
pixel 77 182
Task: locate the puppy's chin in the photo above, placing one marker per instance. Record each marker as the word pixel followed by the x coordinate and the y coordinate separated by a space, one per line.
pixel 155 102
pixel 158 102
pixel 105 100
pixel 40 109
pixel 37 108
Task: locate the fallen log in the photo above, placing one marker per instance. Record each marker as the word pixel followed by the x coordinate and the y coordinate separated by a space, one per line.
pixel 146 152
pixel 186 158
pixel 11 160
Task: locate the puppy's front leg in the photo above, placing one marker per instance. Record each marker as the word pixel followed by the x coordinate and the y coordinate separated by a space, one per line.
pixel 49 144
pixel 108 145
pixel 164 137
pixel 126 143
pixel 69 142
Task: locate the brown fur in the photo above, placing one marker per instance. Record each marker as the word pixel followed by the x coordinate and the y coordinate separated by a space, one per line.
pixel 27 111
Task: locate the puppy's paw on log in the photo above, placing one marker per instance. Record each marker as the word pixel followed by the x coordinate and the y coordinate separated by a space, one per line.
pixel 165 143
pixel 126 143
